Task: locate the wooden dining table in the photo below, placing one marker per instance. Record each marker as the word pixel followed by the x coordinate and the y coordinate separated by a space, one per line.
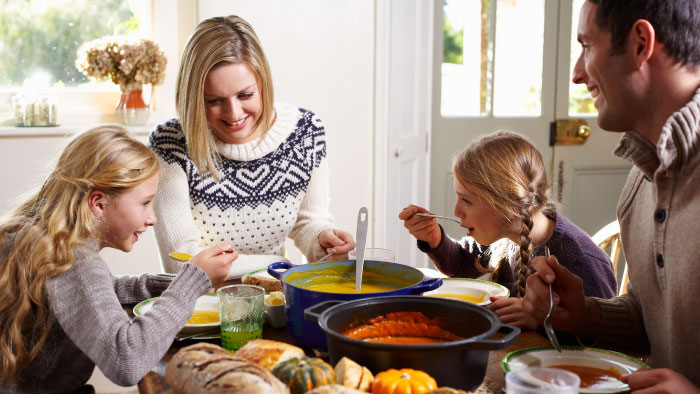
pixel 154 381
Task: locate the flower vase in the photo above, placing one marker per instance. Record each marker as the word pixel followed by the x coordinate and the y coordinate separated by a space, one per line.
pixel 132 110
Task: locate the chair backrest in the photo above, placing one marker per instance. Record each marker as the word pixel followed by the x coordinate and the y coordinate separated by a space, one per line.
pixel 608 238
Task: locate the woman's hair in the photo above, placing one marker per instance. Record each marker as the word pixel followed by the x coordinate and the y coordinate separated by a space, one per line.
pixel 216 42
pixel 507 172
pixel 37 239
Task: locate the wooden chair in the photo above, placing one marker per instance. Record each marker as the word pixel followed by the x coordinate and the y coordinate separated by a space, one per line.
pixel 608 238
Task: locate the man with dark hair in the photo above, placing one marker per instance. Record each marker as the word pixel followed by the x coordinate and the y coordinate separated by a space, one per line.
pixel 641 62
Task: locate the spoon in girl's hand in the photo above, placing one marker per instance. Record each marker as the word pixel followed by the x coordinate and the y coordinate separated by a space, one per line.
pixel 180 256
pixel 185 257
pixel 430 215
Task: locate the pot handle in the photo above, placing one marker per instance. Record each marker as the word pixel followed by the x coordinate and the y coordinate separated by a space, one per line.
pixel 427 284
pixel 281 264
pixel 512 335
pixel 313 312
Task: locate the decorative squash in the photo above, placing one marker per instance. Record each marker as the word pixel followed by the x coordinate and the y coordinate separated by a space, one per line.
pixel 305 373
pixel 403 381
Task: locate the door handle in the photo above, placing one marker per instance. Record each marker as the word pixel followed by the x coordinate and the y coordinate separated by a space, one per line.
pixel 568 132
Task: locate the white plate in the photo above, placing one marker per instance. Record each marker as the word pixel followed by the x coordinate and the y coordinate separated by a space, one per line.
pixel 207 302
pixel 571 355
pixel 480 289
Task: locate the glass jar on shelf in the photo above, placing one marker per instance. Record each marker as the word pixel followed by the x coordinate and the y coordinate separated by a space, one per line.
pixel 34 112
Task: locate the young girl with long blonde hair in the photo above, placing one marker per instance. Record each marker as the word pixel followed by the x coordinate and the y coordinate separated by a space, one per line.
pixel 60 307
pixel 502 201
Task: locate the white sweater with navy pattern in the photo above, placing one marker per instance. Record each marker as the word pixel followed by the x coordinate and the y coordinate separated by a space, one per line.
pixel 271 188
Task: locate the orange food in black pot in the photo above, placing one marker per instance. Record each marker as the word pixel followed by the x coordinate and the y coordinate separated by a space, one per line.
pixel 401 327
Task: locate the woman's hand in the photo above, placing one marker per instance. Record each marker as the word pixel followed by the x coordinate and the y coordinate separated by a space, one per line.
pixel 423 228
pixel 336 241
pixel 661 380
pixel 511 311
pixel 215 261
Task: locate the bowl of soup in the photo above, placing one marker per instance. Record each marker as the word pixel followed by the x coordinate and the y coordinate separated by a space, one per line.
pixel 448 339
pixel 598 369
pixel 474 291
pixel 310 284
pixel 204 318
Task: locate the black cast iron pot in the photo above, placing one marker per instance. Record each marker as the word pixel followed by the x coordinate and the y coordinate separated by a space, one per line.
pixel 458 364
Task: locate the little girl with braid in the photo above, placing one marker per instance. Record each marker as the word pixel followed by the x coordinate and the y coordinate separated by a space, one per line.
pixel 502 188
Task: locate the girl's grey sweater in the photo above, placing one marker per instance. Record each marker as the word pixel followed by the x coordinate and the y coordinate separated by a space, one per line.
pixel 91 327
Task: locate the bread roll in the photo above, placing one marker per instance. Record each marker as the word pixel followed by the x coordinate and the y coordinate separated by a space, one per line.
pixel 334 389
pixel 267 353
pixel 207 368
pixel 353 375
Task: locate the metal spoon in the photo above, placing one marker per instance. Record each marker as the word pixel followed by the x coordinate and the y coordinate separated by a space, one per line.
pixel 322 259
pixel 200 334
pixel 548 320
pixel 430 215
pixel 362 219
pixel 185 257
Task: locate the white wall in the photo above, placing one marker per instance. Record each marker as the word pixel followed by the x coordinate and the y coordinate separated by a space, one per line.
pixel 321 54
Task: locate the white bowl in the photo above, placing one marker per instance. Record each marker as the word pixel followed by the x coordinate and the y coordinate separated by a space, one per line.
pixel 274 314
pixel 546 356
pixel 475 291
pixel 207 302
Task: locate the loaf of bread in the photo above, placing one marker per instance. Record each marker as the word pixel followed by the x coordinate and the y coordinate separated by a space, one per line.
pixel 334 389
pixel 267 353
pixel 353 375
pixel 207 368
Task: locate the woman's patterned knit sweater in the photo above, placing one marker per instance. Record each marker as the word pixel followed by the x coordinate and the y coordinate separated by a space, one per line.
pixel 270 188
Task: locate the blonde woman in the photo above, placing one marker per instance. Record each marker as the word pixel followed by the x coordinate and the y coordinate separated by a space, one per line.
pixel 502 188
pixel 236 166
pixel 60 307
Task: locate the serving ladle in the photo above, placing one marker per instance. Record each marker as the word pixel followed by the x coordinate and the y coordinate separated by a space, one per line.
pixel 362 220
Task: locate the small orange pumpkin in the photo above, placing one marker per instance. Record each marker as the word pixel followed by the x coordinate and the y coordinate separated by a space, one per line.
pixel 403 381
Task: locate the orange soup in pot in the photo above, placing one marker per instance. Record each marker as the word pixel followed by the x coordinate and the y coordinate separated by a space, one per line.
pixel 401 328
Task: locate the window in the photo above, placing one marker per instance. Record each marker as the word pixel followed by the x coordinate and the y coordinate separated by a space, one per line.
pixel 580 100
pixel 505 79
pixel 39 40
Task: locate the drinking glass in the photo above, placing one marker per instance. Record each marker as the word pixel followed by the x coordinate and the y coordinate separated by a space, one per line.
pixel 377 254
pixel 241 312
pixel 542 381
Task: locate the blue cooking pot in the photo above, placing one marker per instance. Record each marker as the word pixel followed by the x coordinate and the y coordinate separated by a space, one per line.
pixel 297 298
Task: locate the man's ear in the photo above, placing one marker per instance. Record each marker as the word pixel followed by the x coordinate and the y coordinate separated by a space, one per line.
pixel 642 42
pixel 97 201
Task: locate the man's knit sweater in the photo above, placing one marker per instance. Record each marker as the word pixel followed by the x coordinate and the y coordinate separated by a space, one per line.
pixel 271 188
pixel 572 246
pixel 91 328
pixel 659 214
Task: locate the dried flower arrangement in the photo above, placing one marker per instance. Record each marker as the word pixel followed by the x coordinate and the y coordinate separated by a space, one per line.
pixel 129 63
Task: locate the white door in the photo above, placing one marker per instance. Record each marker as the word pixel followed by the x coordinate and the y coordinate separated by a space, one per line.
pixel 402 121
pixel 514 74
